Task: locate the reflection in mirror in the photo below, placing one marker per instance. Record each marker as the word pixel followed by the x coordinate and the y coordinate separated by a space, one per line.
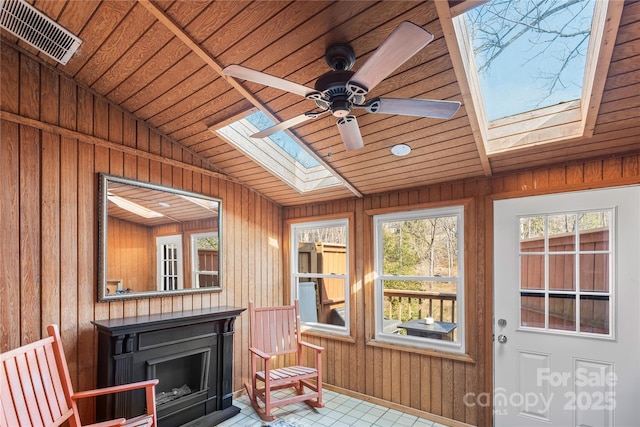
pixel 156 241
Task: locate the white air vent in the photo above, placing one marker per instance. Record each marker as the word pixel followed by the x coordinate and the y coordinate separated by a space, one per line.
pixel 29 24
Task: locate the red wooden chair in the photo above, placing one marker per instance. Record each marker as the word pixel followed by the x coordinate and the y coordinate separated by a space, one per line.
pixel 275 331
pixel 35 388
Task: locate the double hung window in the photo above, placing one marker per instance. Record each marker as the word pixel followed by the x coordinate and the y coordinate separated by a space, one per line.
pixel 205 260
pixel 419 278
pixel 320 273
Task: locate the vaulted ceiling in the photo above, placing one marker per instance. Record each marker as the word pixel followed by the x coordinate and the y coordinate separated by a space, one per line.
pixel 162 62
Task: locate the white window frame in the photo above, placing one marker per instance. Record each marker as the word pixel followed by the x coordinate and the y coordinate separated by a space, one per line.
pixel 297 277
pixel 195 276
pixel 577 292
pixel 405 340
pixel 572 119
pixel 161 241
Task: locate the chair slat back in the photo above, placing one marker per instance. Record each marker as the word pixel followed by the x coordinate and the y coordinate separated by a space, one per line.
pixel 274 330
pixel 31 390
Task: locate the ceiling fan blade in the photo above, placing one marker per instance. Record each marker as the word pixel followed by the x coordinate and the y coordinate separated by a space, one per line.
pixel 350 133
pixel 244 73
pixel 414 107
pixel 310 115
pixel 405 41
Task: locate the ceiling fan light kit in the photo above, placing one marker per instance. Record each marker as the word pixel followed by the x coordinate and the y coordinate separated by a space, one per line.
pixel 340 90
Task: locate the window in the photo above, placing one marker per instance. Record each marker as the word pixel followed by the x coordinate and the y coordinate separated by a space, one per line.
pixel 419 274
pixel 281 154
pixel 205 256
pixel 565 272
pixel 541 49
pixel 169 259
pixel 535 71
pixel 320 273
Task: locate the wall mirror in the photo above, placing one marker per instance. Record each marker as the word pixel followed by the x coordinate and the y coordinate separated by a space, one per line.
pixel 156 241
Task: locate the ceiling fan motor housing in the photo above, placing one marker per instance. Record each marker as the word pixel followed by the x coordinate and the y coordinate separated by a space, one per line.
pixel 333 93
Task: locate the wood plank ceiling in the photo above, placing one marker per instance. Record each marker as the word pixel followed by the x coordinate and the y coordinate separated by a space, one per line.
pixel 160 61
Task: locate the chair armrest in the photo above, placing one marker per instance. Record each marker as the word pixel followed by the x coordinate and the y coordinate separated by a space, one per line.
pixel 312 346
pixel 114 389
pixel 110 423
pixel 259 353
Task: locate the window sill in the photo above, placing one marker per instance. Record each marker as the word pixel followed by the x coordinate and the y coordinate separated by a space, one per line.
pixel 408 348
pixel 328 335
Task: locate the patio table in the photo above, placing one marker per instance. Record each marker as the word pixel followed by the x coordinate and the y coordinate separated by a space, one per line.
pixel 436 330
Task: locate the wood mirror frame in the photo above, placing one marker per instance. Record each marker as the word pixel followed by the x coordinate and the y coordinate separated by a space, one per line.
pixel 156 241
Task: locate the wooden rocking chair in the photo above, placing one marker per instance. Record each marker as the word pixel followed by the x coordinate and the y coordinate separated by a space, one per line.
pixel 275 331
pixel 35 388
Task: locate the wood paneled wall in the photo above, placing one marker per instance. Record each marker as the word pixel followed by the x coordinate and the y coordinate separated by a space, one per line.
pixel 432 382
pixel 418 379
pixel 136 265
pixel 55 138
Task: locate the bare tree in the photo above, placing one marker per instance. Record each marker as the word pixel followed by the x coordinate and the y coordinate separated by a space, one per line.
pixel 333 235
pixel 497 25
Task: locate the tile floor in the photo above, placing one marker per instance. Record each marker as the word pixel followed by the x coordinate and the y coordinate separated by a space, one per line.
pixel 339 411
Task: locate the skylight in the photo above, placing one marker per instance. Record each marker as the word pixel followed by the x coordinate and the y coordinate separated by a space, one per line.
pixel 283 140
pixel 133 207
pixel 529 55
pixel 279 153
pixel 530 72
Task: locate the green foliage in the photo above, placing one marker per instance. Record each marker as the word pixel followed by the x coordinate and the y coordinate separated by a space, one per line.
pixel 421 247
pixel 399 256
pixel 208 243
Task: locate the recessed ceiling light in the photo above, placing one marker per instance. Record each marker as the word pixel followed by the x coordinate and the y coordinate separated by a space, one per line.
pixel 400 150
pixel 164 204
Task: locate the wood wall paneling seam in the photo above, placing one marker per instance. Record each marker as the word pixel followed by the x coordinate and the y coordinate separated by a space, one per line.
pixel 68 133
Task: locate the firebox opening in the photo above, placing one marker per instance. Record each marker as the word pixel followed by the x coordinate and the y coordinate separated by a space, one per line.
pixel 180 374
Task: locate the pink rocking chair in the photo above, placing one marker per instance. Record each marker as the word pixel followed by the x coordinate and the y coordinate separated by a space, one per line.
pixel 275 331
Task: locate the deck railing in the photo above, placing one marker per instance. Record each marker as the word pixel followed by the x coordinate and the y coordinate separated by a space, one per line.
pixel 404 305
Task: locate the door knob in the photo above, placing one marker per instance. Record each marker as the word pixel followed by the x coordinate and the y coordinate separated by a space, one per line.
pixel 502 339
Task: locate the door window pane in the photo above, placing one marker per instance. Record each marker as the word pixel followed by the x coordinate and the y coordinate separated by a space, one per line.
pixel 562 312
pixel 532 273
pixel 594 314
pixel 594 272
pixel 594 227
pixel 562 233
pixel 532 310
pixel 532 234
pixel 562 271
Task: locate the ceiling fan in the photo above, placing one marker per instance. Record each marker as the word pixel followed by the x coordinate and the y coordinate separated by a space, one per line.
pixel 341 90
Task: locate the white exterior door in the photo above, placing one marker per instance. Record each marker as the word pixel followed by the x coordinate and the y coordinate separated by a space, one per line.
pixel 567 309
pixel 169 261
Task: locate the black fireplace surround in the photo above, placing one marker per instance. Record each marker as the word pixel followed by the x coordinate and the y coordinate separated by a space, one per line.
pixel 190 352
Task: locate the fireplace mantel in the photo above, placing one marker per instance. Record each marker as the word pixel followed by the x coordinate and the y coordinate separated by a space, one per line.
pixel 134 348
